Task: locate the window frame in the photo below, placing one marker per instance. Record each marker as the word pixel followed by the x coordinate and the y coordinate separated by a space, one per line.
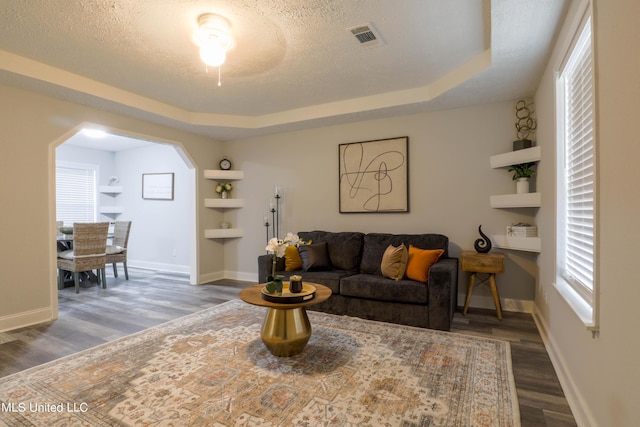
pixel 581 299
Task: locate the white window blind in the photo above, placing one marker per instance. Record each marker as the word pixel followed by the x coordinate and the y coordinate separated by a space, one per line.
pixel 75 192
pixel 577 258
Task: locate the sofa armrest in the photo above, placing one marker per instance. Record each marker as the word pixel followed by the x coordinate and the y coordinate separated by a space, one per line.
pixel 443 293
pixel 265 266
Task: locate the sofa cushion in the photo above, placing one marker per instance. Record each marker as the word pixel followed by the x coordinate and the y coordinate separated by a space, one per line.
pixel 315 257
pixel 345 248
pixel 420 261
pixel 394 262
pixel 329 278
pixel 369 286
pixel 376 243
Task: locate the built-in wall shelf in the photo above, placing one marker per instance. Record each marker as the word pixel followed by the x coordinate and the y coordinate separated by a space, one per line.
pixel 113 191
pixel 111 211
pixel 109 189
pixel 220 203
pixel 529 244
pixel 223 175
pixel 223 203
pixel 525 200
pixel 516 157
pixel 522 200
pixel 223 233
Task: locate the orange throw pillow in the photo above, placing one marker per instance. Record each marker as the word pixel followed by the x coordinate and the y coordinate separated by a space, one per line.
pixel 420 261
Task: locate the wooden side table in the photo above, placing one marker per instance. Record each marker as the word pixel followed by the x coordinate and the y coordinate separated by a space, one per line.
pixel 490 263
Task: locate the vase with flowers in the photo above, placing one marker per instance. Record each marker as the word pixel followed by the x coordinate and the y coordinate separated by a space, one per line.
pixel 223 189
pixel 277 247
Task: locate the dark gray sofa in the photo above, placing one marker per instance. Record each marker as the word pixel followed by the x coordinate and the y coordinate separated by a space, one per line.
pixel 359 289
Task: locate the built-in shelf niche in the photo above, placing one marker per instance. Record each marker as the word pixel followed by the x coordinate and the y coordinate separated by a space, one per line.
pixel 223 233
pixel 529 244
pixel 510 201
pixel 220 203
pixel 110 189
pixel 526 200
pixel 223 203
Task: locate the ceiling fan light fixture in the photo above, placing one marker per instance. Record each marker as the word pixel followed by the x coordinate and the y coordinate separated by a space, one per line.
pixel 214 38
pixel 213 55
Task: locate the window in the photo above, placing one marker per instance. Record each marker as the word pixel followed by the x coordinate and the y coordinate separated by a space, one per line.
pixel 76 198
pixel 576 250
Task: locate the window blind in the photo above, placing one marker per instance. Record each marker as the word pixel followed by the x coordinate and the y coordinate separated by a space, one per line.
pixel 75 193
pixel 579 168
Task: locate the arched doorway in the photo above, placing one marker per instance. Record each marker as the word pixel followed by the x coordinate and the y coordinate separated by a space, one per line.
pixel 163 233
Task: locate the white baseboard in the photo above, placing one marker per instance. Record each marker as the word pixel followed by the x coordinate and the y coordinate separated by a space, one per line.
pixel 238 275
pixel 508 304
pixel 232 275
pixel 577 403
pixel 172 268
pixel 27 318
pixel 210 277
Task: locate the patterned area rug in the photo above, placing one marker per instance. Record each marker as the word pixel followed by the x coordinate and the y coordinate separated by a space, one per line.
pixel 211 369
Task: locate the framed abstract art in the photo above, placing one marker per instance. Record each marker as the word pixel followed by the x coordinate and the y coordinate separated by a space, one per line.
pixel 374 176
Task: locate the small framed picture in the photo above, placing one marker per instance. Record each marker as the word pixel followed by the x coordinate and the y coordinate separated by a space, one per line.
pixel 157 186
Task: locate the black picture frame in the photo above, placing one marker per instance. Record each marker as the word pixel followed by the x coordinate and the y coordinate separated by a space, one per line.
pixel 374 176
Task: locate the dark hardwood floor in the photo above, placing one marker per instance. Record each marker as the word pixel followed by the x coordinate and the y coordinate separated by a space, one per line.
pixel 95 316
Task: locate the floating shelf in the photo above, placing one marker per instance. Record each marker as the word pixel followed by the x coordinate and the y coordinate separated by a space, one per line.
pixel 223 203
pixel 224 175
pixel 529 244
pixel 219 203
pixel 223 233
pixel 108 189
pixel 526 200
pixel 527 155
pixel 111 209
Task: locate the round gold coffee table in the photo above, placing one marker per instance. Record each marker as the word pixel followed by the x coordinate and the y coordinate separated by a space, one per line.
pixel 286 328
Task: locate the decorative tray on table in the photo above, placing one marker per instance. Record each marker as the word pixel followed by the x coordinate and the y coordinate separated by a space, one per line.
pixel 287 297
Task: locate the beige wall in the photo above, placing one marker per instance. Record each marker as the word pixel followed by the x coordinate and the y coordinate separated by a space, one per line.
pixel 450 184
pixel 32 125
pixel 600 374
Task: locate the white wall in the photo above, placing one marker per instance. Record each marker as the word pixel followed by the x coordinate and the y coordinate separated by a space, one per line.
pixel 160 229
pixel 600 374
pixel 449 177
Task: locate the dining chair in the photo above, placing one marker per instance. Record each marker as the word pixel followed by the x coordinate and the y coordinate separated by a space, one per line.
pixel 117 251
pixel 89 253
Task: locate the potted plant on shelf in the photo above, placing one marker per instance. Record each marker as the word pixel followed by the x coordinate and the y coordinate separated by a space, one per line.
pixel 223 189
pixel 521 174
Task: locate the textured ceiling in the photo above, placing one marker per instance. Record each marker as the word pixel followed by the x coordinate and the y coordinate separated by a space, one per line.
pixel 294 64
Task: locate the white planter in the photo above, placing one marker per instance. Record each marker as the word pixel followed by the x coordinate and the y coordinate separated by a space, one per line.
pixel 522 185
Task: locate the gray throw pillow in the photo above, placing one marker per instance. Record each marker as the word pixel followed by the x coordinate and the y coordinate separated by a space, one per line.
pixel 315 257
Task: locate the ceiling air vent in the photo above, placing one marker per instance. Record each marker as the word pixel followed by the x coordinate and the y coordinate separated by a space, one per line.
pixel 366 35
